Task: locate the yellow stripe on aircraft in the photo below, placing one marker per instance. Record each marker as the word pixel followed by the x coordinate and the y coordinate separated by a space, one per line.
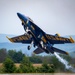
pixel 9 39
pixel 19 38
pixel 71 39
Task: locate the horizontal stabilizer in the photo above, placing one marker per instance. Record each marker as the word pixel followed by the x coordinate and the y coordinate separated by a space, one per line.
pixel 59 51
pixel 38 51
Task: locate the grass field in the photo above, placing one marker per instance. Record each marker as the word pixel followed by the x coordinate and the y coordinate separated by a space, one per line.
pixel 35 65
pixel 17 65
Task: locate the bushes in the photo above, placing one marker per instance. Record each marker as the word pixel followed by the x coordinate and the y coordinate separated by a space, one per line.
pixel 50 64
pixel 35 59
pixel 26 65
pixel 16 56
pixel 58 66
pixel 3 54
pixel 45 68
pixel 9 66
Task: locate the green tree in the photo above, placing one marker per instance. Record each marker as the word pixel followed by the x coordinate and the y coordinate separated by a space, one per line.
pixel 45 68
pixel 58 66
pixel 67 57
pixel 35 59
pixel 9 66
pixel 16 56
pixel 1 69
pixel 3 54
pixel 26 65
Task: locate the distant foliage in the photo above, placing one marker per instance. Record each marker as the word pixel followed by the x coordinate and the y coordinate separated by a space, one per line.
pixel 3 54
pixel 35 59
pixel 16 56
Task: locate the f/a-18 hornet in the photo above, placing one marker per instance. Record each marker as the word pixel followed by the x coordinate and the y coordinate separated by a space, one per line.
pixel 37 37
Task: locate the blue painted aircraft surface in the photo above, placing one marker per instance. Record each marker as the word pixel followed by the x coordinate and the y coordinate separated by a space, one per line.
pixel 37 37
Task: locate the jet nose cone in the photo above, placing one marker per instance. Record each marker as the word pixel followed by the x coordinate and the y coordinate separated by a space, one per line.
pixel 22 17
pixel 19 15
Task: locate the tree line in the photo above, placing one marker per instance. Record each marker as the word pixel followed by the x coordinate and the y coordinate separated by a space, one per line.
pixel 50 64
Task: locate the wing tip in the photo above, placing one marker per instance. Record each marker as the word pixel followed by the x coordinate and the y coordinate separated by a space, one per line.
pixel 9 38
pixel 72 40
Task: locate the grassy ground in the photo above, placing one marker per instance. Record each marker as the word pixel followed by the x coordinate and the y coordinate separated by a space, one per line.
pixel 35 65
pixel 17 65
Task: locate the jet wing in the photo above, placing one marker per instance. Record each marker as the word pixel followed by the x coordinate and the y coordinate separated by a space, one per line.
pixel 21 39
pixel 58 40
pixel 38 51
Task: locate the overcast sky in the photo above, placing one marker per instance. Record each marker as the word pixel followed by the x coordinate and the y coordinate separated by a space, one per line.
pixel 53 16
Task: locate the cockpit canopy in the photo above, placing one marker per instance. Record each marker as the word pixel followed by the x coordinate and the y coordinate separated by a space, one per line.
pixel 30 19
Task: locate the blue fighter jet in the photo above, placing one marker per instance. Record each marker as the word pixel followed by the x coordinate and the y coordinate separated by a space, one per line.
pixel 37 37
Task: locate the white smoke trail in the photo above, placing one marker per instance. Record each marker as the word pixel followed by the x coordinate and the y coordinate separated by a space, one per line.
pixel 63 61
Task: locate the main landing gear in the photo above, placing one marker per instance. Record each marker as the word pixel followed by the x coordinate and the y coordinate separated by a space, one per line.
pixel 29 47
pixel 42 44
